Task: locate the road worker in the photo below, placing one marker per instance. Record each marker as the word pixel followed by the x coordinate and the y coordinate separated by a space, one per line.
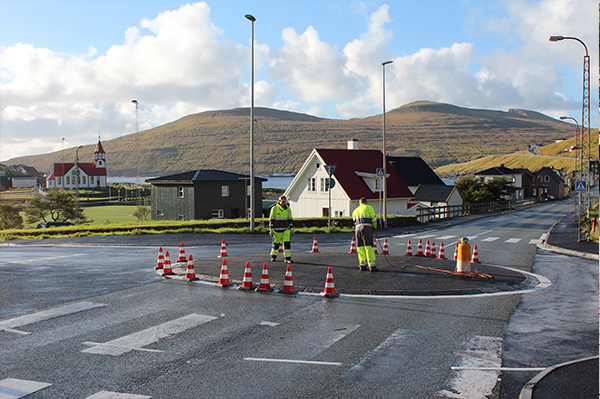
pixel 364 218
pixel 281 228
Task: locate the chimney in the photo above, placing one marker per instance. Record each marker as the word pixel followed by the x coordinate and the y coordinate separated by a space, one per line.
pixel 353 144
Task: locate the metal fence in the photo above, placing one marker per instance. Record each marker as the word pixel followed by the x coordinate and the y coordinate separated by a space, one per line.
pixel 450 211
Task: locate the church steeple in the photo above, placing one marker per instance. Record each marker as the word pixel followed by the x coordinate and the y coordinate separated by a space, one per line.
pixel 99 155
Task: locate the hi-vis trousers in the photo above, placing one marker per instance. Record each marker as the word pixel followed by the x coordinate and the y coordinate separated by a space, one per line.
pixel 284 236
pixel 364 245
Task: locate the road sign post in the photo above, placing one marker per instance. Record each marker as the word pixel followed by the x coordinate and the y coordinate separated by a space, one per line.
pixel 330 183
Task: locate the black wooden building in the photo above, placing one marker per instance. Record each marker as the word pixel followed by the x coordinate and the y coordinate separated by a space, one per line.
pixel 204 194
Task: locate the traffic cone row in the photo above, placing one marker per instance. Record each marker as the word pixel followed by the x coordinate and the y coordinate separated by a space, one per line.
pixel 430 251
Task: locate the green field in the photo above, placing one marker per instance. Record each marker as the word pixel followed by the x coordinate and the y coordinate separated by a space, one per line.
pixel 110 214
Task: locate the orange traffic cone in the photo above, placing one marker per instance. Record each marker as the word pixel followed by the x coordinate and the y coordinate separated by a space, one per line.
pixel 375 245
pixel 160 263
pixel 475 258
pixel 353 246
pixel 190 273
pixel 385 247
pixel 409 249
pixel 167 271
pixel 420 248
pixel 181 257
pixel 315 247
pixel 224 276
pixel 432 250
pixel 456 252
pixel 247 280
pixel 265 285
pixel 442 255
pixel 288 284
pixel 329 291
pixel 280 247
pixel 223 252
pixel 427 249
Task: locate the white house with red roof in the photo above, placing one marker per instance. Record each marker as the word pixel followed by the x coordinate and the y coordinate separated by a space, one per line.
pixel 355 176
pixel 70 176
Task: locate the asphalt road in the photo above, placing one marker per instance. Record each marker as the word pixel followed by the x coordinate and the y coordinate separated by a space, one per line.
pixel 92 316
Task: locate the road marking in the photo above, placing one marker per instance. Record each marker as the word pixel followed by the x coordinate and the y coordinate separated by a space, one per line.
pixel 501 368
pixel 11 388
pixel 513 240
pixel 490 239
pixel 261 359
pixel 138 340
pixel 116 395
pixel 539 240
pixel 445 237
pixel 480 367
pixel 10 324
pixel 268 323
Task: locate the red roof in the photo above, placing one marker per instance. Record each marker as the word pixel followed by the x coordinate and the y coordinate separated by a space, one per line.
pixel 60 169
pixel 366 161
pixel 99 149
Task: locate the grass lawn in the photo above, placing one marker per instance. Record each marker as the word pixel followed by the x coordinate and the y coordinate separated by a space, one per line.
pixel 110 214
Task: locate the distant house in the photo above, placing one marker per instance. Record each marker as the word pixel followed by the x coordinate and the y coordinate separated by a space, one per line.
pixel 532 187
pixel 355 176
pixel 414 172
pixel 556 186
pixel 514 176
pixel 70 176
pixel 204 194
pixel 438 195
pixel 24 181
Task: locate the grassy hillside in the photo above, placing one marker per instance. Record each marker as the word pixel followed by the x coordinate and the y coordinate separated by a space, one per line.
pixel 440 133
pixel 554 155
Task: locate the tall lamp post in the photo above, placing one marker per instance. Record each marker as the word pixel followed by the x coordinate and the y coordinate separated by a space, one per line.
pixel 252 19
pixel 585 126
pixel 383 64
pixel 137 129
pixel 77 173
pixel 577 171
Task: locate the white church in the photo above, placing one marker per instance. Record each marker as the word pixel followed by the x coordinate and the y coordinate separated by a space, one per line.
pixel 78 175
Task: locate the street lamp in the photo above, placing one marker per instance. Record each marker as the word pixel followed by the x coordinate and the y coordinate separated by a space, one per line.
pixel 137 129
pixel 577 171
pixel 77 184
pixel 585 124
pixel 252 19
pixel 383 64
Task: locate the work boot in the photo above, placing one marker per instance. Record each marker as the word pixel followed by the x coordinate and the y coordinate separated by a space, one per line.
pixel 362 268
pixel 273 258
pixel 373 269
pixel 289 261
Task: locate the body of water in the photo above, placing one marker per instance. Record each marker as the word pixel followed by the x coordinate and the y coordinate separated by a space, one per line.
pixel 281 182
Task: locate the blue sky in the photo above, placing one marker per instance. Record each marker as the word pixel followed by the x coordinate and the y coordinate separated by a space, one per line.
pixel 69 69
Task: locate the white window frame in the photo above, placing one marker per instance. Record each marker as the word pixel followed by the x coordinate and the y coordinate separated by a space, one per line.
pixel 180 192
pixel 324 187
pixel 224 191
pixel 312 185
pixel 218 214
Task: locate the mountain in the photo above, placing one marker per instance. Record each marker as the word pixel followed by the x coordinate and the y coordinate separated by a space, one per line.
pixel 440 133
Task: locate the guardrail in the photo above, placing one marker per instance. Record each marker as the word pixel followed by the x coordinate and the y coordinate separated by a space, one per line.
pixel 449 211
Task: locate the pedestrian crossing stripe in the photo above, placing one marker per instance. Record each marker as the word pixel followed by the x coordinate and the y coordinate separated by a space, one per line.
pixel 116 395
pixel 13 388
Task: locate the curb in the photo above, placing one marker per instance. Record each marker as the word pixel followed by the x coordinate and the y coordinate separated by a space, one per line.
pixel 565 251
pixel 527 391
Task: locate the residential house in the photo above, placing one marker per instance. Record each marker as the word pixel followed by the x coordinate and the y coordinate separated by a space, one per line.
pixel 355 176
pixel 514 176
pixel 414 172
pixel 532 187
pixel 556 186
pixel 80 175
pixel 435 195
pixel 204 194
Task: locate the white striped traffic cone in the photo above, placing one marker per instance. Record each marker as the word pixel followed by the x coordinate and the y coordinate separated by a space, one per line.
pixel 247 280
pixel 409 249
pixel 190 274
pixel 223 252
pixel 385 247
pixel 224 276
pixel 315 246
pixel 329 291
pixel 160 262
pixel 288 284
pixel 265 285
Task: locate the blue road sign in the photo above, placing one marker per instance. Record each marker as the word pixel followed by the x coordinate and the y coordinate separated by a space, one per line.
pixel 580 186
pixel 380 172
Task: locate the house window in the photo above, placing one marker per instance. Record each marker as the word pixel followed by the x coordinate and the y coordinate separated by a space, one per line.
pixel 58 180
pixel 324 187
pixel 217 213
pixel 339 214
pixel 91 180
pixel 83 179
pixel 160 212
pixel 68 180
pixel 224 191
pixel 312 184
pixel 541 178
pixel 534 192
pixel 546 178
pixel 179 192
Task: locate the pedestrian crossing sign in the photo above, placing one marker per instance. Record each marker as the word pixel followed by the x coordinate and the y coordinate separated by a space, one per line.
pixel 580 186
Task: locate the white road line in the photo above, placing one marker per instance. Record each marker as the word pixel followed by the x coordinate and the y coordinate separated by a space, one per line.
pixel 12 388
pixel 260 359
pixel 10 324
pixel 501 368
pixel 445 237
pixel 490 239
pixel 513 240
pixel 116 395
pixel 138 340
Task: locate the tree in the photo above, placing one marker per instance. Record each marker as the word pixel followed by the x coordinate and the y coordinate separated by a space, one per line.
pixel 474 191
pixel 142 213
pixel 58 206
pixel 10 218
pixel 499 188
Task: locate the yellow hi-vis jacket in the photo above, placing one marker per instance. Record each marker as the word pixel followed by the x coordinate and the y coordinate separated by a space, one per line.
pixel 280 218
pixel 364 215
